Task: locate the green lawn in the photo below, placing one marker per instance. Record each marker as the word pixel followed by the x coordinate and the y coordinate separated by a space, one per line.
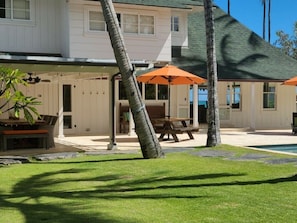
pixel 181 188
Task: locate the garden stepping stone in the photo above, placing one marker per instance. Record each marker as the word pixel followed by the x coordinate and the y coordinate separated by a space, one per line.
pixel 8 160
pixel 53 156
pixel 252 156
pixel 282 161
pixel 213 153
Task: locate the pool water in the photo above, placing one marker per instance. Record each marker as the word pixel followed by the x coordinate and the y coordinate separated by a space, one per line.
pixel 288 148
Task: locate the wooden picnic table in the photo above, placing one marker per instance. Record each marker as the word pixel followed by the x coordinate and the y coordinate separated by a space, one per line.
pixel 173 126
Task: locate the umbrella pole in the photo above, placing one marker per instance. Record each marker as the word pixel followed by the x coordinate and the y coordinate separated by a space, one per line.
pixel 168 136
pixel 168 101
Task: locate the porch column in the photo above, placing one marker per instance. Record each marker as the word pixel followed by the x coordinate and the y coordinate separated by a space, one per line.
pixel 131 131
pixel 60 107
pixel 131 125
pixel 252 108
pixel 195 106
pixel 112 115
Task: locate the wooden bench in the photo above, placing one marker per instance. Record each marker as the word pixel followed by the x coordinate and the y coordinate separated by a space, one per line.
pixel 20 134
pixel 154 111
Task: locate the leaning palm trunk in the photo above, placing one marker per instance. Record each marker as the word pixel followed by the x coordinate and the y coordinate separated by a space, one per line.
pixel 148 140
pixel 213 133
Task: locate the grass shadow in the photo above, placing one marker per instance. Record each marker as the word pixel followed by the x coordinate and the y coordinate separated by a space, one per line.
pixel 69 190
pixel 91 161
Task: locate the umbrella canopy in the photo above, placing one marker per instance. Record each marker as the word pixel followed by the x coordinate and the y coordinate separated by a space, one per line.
pixel 170 75
pixel 292 81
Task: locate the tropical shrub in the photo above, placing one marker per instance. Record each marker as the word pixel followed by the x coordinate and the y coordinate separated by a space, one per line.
pixel 13 100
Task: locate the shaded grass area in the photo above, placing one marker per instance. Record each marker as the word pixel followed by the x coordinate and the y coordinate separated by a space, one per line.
pixel 183 187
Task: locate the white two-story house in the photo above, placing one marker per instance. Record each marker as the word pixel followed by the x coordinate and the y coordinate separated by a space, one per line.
pixel 66 44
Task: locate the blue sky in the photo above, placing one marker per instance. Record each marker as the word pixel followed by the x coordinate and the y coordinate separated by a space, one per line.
pixel 250 14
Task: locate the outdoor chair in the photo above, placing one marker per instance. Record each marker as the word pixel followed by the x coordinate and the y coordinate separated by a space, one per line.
pixel 50 121
pixel 124 122
pixel 294 123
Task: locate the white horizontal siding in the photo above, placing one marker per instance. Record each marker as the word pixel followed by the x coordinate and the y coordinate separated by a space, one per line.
pixel 64 29
pixel 181 38
pixel 41 35
pixel 85 44
pixel 278 118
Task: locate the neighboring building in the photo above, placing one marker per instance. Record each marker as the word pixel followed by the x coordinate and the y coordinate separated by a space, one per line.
pixel 66 44
pixel 250 73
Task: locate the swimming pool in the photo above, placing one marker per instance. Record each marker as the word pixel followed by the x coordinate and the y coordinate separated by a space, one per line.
pixel 284 148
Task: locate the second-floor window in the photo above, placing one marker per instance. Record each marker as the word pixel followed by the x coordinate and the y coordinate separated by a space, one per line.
pixel 174 23
pixel 146 24
pixel 130 23
pixel 96 21
pixel 15 9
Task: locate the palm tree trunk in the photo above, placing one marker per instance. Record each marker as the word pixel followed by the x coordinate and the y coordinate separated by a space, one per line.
pixel 269 20
pixel 264 19
pixel 148 140
pixel 213 133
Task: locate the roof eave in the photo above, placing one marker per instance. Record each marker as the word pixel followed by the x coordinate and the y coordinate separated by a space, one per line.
pixel 62 64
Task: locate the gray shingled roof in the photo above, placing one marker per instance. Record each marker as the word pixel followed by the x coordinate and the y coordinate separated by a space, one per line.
pixel 241 54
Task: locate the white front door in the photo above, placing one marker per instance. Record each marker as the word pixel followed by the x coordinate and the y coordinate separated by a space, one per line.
pixel 183 106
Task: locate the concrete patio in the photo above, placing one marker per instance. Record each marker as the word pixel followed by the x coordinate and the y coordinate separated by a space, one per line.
pixel 126 143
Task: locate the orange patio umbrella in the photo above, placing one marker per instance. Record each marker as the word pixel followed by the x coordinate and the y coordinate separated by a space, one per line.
pixel 292 81
pixel 170 75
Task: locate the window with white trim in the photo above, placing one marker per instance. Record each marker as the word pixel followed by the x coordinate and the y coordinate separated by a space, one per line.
pixel 15 9
pixel 130 23
pixel 269 97
pixel 162 92
pixel 146 24
pixel 96 21
pixel 174 23
pixel 138 24
pixel 151 91
pixel 122 93
pixel 234 96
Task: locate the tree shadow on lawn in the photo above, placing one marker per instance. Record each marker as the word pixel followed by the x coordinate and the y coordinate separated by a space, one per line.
pixel 130 186
pixel 90 161
pixel 64 202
